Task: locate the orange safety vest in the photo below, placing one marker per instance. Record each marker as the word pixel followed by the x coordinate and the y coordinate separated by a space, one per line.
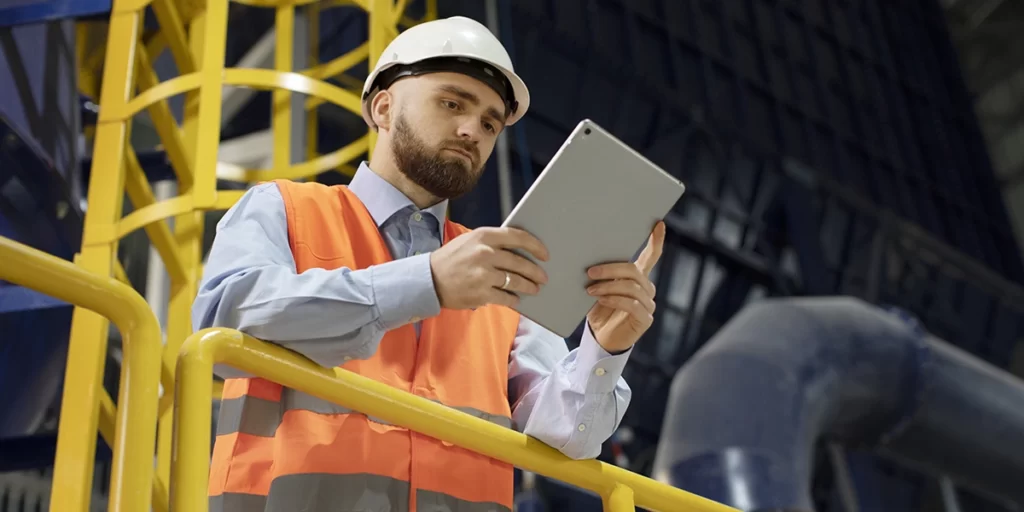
pixel 280 450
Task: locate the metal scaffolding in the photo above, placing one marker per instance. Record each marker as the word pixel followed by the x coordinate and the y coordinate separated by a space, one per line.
pixel 195 34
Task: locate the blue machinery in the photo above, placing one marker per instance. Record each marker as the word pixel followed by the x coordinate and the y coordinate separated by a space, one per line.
pixel 787 376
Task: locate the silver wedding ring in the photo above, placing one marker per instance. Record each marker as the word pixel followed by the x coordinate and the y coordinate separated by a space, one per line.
pixel 508 279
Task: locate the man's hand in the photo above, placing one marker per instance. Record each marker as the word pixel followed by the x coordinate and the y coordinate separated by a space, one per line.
pixel 625 304
pixel 470 270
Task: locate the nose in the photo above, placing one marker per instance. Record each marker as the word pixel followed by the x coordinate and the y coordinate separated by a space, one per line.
pixel 470 130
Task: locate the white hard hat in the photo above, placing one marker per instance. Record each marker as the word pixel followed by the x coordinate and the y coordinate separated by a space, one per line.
pixel 456 44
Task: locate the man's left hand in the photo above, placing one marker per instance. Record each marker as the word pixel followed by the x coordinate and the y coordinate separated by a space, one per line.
pixel 625 297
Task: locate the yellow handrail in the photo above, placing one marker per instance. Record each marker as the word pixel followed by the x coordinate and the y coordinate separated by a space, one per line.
pixel 192 425
pixel 131 478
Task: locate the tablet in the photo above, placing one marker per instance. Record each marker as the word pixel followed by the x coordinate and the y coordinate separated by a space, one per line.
pixel 595 202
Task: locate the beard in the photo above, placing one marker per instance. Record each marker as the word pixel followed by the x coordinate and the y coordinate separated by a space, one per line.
pixel 443 176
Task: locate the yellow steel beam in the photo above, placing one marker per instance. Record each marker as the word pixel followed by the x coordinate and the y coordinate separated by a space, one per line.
pixel 210 346
pixel 89 57
pixel 274 3
pixel 154 93
pixel 129 6
pixel 398 12
pixel 181 205
pixel 218 389
pixel 281 101
pixel 334 160
pixel 340 64
pixel 329 4
pixel 80 402
pixel 207 136
pixel 173 31
pixel 160 496
pixel 131 473
pixel 81 42
pixel 431 11
pixel 201 125
pixel 381 33
pixel 155 44
pixel 120 274
pixel 189 9
pixel 163 122
pixel 313 27
pixel 141 196
pixel 351 84
pixel 108 419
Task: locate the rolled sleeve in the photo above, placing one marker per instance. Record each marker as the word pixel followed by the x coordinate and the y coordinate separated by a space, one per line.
pixel 404 291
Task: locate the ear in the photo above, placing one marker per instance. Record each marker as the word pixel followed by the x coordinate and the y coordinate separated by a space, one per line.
pixel 381 108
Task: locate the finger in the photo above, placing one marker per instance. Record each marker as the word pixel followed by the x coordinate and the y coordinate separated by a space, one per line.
pixel 516 283
pixel 501 298
pixel 512 262
pixel 625 271
pixel 629 306
pixel 621 270
pixel 652 253
pixel 624 288
pixel 512 238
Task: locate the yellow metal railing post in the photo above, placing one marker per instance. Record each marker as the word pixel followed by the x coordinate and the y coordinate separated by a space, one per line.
pixel 381 25
pixel 201 127
pixel 620 499
pixel 313 29
pixel 211 70
pixel 190 467
pixel 87 349
pixel 190 474
pixel 131 476
pixel 281 101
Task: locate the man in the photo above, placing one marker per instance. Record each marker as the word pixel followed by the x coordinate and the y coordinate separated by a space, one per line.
pixel 373 278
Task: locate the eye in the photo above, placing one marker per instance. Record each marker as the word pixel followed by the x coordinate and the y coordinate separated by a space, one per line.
pixel 449 104
pixel 490 127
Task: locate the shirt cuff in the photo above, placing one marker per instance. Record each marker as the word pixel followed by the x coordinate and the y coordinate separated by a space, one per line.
pixel 598 369
pixel 403 291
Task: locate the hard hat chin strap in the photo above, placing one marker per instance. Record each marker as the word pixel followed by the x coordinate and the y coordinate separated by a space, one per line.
pixel 481 71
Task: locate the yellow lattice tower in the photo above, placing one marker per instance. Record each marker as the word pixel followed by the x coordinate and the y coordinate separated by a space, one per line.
pixel 194 32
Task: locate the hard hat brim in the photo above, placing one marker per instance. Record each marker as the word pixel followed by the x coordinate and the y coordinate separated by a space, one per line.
pixel 519 89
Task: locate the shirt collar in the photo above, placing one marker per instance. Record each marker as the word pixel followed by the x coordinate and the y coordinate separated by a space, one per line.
pixel 383 200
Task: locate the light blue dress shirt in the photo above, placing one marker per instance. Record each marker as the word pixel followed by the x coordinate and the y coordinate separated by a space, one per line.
pixel 572 401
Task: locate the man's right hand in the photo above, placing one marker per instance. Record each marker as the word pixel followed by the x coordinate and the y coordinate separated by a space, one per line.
pixel 470 270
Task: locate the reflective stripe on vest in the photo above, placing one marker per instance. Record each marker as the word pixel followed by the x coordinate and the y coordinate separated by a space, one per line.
pixel 261 417
pixel 365 493
pixel 279 449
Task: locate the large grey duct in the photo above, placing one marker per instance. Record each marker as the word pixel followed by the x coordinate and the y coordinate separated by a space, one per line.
pixel 747 411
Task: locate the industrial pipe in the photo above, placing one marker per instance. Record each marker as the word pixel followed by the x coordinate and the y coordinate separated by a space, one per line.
pixel 746 413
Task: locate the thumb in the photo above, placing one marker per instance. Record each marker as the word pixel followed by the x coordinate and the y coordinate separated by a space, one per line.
pixel 652 253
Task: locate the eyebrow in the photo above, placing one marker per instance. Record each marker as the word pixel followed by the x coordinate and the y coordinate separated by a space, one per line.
pixel 472 98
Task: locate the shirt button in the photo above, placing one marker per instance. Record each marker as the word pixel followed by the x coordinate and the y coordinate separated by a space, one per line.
pixel 417 217
pixel 581 428
pixel 599 372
